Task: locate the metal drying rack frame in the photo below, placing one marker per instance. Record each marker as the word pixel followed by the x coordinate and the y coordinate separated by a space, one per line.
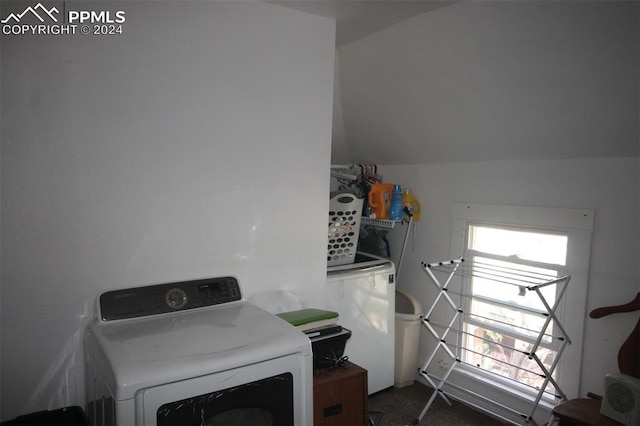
pixel 526 281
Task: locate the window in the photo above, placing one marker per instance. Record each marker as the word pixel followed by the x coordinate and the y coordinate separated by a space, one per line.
pixel 503 318
pixel 501 321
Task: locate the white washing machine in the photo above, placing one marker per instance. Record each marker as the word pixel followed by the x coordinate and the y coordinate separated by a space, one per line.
pixel 364 295
pixel 194 353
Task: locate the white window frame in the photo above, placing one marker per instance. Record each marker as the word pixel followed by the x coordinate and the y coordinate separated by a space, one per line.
pixel 578 225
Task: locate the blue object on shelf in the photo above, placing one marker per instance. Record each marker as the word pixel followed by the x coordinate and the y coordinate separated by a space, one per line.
pixel 396 211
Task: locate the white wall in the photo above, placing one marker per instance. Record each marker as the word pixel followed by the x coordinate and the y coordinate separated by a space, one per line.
pixel 583 183
pixel 196 144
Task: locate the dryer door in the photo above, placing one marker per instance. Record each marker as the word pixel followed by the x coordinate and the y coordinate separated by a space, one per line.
pixel 267 393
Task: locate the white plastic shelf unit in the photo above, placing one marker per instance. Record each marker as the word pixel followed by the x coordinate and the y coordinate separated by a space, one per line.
pixel 499 275
pixel 390 224
pixel 380 223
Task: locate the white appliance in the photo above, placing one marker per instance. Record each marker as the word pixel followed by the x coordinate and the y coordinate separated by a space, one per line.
pixel 363 294
pixel 194 353
pixel 621 399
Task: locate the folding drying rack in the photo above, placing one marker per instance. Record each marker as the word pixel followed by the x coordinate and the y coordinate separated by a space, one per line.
pixel 526 281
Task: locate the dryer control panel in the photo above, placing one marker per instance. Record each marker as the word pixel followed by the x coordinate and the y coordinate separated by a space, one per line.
pixel 164 298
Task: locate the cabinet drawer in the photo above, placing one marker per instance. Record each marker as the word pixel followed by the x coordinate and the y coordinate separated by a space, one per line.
pixel 340 396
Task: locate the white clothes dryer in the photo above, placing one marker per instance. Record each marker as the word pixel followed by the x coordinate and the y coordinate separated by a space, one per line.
pixel 194 353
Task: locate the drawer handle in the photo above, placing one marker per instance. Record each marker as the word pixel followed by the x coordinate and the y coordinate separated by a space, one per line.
pixel 333 410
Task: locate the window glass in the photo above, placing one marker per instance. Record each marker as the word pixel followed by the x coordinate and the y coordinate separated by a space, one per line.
pixel 520 243
pixel 505 313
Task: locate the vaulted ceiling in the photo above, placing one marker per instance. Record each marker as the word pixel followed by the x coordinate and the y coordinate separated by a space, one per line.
pixel 358 18
pixel 433 82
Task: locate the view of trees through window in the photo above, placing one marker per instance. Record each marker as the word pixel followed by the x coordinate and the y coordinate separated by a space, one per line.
pixel 504 316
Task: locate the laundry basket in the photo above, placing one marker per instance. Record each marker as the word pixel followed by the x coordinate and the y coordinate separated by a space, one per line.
pixel 345 210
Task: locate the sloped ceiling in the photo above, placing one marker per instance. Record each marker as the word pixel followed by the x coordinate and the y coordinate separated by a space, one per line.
pixel 356 19
pixel 420 83
pixel 484 81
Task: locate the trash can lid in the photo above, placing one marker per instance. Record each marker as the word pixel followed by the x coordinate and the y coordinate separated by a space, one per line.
pixel 407 304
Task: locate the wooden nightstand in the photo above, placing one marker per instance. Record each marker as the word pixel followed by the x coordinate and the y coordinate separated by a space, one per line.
pixel 340 396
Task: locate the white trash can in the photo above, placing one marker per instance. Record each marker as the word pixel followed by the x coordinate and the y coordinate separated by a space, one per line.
pixel 408 312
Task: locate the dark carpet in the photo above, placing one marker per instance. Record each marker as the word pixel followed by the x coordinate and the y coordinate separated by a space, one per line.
pixel 401 406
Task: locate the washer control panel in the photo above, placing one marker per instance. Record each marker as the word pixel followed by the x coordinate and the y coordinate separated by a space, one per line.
pixel 165 298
